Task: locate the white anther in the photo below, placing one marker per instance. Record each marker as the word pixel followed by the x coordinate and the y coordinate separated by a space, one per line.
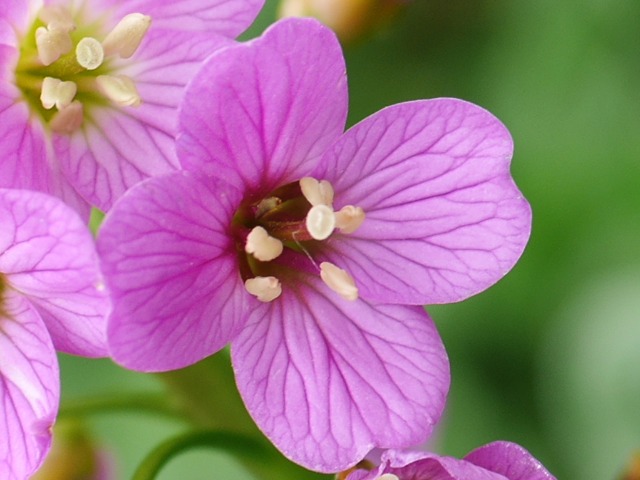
pixel 349 218
pixel 51 44
pixel 320 222
pixel 317 193
pixel 265 289
pixel 126 36
pixel 56 16
pixel 89 53
pixel 56 92
pixel 388 476
pixel 266 205
pixel 263 246
pixel 69 119
pixel 339 281
pixel 119 89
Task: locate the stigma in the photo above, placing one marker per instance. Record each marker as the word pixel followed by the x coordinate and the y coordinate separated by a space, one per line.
pixel 68 66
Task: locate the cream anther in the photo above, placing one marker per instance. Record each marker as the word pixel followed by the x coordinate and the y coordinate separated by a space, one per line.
pixel 317 192
pixel 263 246
pixel 51 43
pixel 119 89
pixel 89 53
pixel 349 218
pixel 320 222
pixel 56 16
pixel 68 119
pixel 388 476
pixel 56 92
pixel 339 281
pixel 265 289
pixel 267 204
pixel 126 36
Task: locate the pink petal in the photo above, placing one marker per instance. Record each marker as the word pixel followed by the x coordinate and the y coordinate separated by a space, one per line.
pixel 225 17
pixel 172 270
pixel 327 379
pixel 510 460
pixel 29 388
pixel 261 114
pixel 118 147
pixel 47 254
pixel 444 219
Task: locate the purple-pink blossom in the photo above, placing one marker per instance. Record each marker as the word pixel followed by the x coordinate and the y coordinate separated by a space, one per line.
pixel 494 461
pixel 52 297
pixel 90 89
pixel 311 249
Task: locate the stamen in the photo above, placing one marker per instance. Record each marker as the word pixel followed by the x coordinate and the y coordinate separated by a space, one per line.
pixel 56 16
pixel 388 476
pixel 320 222
pixel 68 119
pixel 263 246
pixel 56 92
pixel 267 204
pixel 51 43
pixel 265 289
pixel 317 193
pixel 349 218
pixel 119 89
pixel 339 281
pixel 126 36
pixel 89 53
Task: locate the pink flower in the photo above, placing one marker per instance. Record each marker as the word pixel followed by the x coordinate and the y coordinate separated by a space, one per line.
pixel 52 297
pixel 495 461
pixel 90 89
pixel 310 249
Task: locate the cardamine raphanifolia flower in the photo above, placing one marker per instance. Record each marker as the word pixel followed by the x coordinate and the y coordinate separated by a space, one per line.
pixel 90 88
pixel 494 461
pixel 52 297
pixel 311 249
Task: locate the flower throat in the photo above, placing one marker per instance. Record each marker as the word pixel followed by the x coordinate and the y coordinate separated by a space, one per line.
pixel 294 219
pixel 63 67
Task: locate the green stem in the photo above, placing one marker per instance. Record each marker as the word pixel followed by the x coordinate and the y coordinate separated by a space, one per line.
pixel 238 445
pixel 152 403
pixel 207 393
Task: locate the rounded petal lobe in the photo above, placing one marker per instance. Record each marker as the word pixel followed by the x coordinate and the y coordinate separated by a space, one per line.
pixel 172 270
pixel 118 147
pixel 224 17
pixel 444 219
pixel 47 254
pixel 327 379
pixel 29 388
pixel 261 114
pixel 510 460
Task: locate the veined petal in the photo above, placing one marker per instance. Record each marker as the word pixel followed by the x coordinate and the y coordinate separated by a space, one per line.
pixel 47 254
pixel 270 128
pixel 172 270
pixel 29 388
pixel 26 156
pixel 444 219
pixel 328 379
pixel 118 147
pixel 510 460
pixel 229 18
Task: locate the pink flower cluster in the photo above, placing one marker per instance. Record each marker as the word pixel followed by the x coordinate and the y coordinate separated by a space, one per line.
pixel 238 211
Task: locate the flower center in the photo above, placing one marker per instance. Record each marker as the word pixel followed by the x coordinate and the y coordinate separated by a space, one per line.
pixel 280 233
pixel 65 65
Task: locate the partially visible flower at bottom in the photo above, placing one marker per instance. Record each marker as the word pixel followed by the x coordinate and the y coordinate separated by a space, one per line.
pixel 52 297
pixel 494 461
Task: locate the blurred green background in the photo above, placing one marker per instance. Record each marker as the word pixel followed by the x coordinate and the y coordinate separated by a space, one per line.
pixel 550 356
